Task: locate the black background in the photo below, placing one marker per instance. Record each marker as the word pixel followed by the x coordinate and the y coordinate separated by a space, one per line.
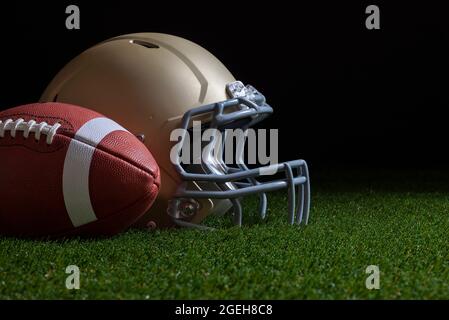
pixel 343 95
pixel 282 309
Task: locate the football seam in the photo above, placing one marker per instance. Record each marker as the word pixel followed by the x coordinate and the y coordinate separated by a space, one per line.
pixel 138 167
pixel 98 147
pixel 149 172
pixel 32 149
pixel 134 164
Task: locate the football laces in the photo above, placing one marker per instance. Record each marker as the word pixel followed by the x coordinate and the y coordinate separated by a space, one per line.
pixel 27 127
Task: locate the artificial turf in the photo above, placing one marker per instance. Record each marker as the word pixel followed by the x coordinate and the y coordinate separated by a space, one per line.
pixel 393 222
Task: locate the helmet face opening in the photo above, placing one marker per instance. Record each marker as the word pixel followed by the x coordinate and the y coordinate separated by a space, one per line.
pixel 167 89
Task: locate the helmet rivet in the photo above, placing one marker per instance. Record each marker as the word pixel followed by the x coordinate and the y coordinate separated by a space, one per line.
pixel 183 208
pixel 151 225
pixel 188 209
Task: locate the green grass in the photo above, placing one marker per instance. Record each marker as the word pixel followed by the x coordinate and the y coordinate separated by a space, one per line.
pixel 395 223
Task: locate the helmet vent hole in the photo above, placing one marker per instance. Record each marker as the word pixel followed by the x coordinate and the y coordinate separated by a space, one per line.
pixel 144 44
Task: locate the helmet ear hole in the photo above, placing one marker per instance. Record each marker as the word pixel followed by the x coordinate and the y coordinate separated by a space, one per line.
pixel 145 44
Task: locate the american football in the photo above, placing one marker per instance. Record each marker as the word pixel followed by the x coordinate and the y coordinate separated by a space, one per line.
pixel 70 171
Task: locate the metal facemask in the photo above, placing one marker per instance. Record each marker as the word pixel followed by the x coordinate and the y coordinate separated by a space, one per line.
pixel 244 108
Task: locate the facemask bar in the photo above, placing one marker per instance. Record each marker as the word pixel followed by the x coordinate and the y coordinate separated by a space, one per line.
pixel 251 181
pixel 244 179
pixel 242 166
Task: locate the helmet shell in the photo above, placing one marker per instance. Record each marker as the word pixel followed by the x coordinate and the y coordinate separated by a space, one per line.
pixel 146 82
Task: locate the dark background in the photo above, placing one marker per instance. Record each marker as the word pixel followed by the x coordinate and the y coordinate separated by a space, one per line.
pixel 349 96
